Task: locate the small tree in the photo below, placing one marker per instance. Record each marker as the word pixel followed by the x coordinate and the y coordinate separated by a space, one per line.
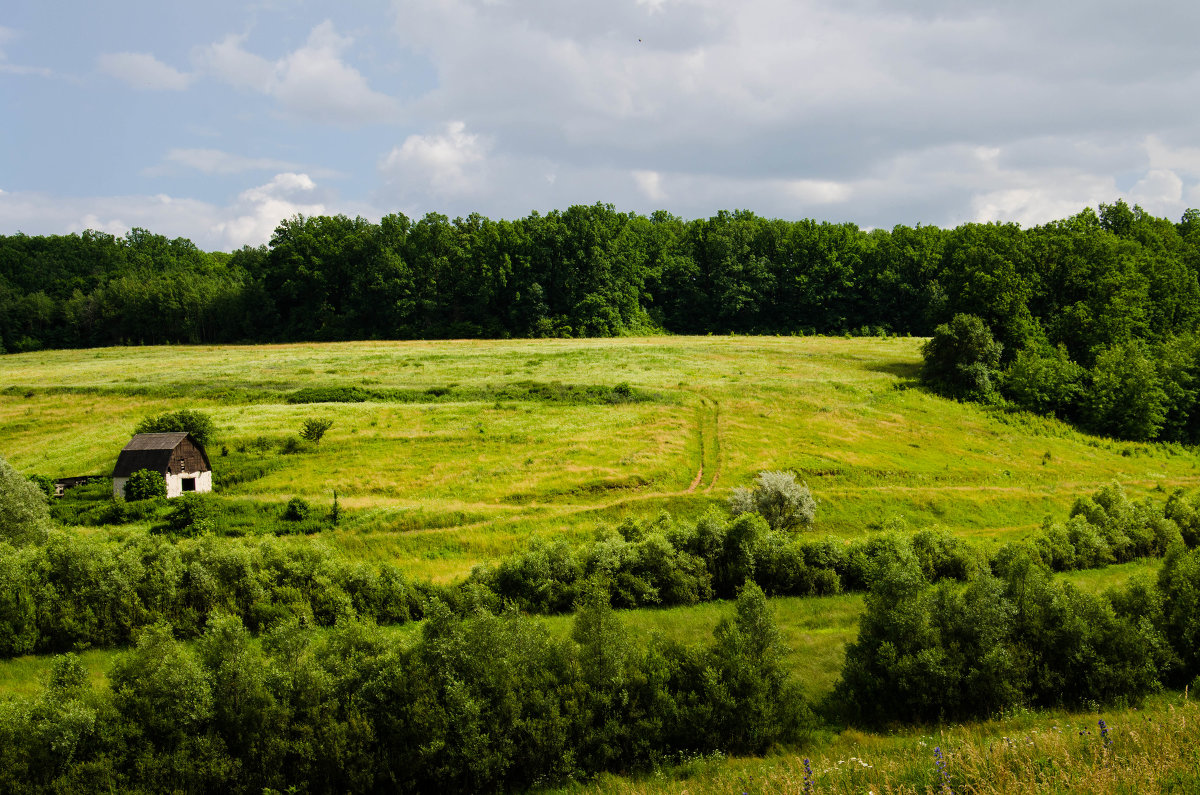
pixel 23 508
pixel 197 423
pixel 961 358
pixel 778 498
pixel 145 484
pixel 314 428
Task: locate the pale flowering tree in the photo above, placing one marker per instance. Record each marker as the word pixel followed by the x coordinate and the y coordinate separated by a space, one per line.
pixel 785 503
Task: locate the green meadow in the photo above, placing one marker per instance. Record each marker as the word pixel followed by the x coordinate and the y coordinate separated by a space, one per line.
pixel 464 451
pixel 441 476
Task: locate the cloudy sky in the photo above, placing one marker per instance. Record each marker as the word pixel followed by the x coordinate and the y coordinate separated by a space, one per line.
pixel 215 120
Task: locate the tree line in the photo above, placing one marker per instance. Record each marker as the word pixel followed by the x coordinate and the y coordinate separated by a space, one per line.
pixel 1085 283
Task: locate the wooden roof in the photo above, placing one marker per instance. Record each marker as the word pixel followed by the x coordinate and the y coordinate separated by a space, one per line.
pixel 156 451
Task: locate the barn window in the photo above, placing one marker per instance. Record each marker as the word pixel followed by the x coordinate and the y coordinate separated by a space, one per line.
pixel 189 484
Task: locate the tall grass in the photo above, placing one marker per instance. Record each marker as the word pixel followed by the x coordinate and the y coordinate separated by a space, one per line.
pixel 439 487
pixel 1154 749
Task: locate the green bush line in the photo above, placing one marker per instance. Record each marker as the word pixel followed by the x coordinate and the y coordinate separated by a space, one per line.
pixel 657 563
pixel 519 391
pixel 662 564
pixel 476 704
pixel 72 592
pixel 927 653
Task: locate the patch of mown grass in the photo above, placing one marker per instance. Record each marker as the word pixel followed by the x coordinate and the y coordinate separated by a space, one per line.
pixel 26 676
pixel 1097 580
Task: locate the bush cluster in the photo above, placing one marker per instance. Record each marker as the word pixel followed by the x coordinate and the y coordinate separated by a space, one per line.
pixel 73 591
pixel 145 484
pixel 666 563
pixel 481 703
pixel 1019 637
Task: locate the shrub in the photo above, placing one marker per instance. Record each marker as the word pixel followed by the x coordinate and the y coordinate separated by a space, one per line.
pixel 1047 382
pixel 44 483
pixel 1127 399
pixel 314 428
pixel 191 515
pixel 778 498
pixel 196 423
pixel 297 510
pixel 145 484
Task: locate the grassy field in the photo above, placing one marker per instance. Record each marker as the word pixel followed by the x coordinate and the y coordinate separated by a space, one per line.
pixel 437 487
pixel 437 484
pixel 1151 749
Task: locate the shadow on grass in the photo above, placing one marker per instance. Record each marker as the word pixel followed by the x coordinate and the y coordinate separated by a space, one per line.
pixel 908 372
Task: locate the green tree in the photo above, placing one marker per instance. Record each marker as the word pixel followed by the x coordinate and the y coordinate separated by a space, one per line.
pixel 1045 381
pixel 778 498
pixel 197 423
pixel 756 703
pixel 961 358
pixel 1126 398
pixel 23 507
pixel 145 484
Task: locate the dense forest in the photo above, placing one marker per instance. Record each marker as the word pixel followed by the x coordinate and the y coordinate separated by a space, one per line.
pixel 1092 318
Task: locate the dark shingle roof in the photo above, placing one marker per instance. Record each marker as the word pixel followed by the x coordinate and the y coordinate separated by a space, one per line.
pixel 156 441
pixel 150 451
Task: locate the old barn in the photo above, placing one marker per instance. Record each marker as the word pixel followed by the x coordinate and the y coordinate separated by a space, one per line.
pixel 176 456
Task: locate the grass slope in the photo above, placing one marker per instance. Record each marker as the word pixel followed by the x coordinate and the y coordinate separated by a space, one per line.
pixel 437 487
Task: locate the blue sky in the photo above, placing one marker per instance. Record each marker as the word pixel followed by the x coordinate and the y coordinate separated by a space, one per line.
pixel 214 121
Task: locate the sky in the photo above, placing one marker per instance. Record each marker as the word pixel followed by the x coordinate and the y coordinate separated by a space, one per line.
pixel 216 120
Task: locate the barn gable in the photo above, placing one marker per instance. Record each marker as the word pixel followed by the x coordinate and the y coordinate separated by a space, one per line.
pixel 176 456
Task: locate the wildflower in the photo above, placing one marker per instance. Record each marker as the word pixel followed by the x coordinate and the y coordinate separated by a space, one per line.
pixel 1104 733
pixel 808 777
pixel 940 761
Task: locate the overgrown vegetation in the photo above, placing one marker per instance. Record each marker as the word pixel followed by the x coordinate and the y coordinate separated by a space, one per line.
pixel 478 703
pixel 145 484
pixel 197 423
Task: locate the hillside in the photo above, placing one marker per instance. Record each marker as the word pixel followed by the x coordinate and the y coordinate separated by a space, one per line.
pixel 447 471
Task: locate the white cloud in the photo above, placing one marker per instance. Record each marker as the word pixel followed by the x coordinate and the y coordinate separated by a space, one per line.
pixel 248 220
pixel 312 82
pixel 818 105
pixel 1177 158
pixel 259 210
pixel 214 161
pixel 7 35
pixel 228 61
pixel 1157 190
pixel 449 163
pixel 650 184
pixel 144 71
pixel 817 191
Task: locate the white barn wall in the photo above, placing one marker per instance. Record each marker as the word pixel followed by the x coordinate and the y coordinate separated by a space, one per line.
pixel 174 484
